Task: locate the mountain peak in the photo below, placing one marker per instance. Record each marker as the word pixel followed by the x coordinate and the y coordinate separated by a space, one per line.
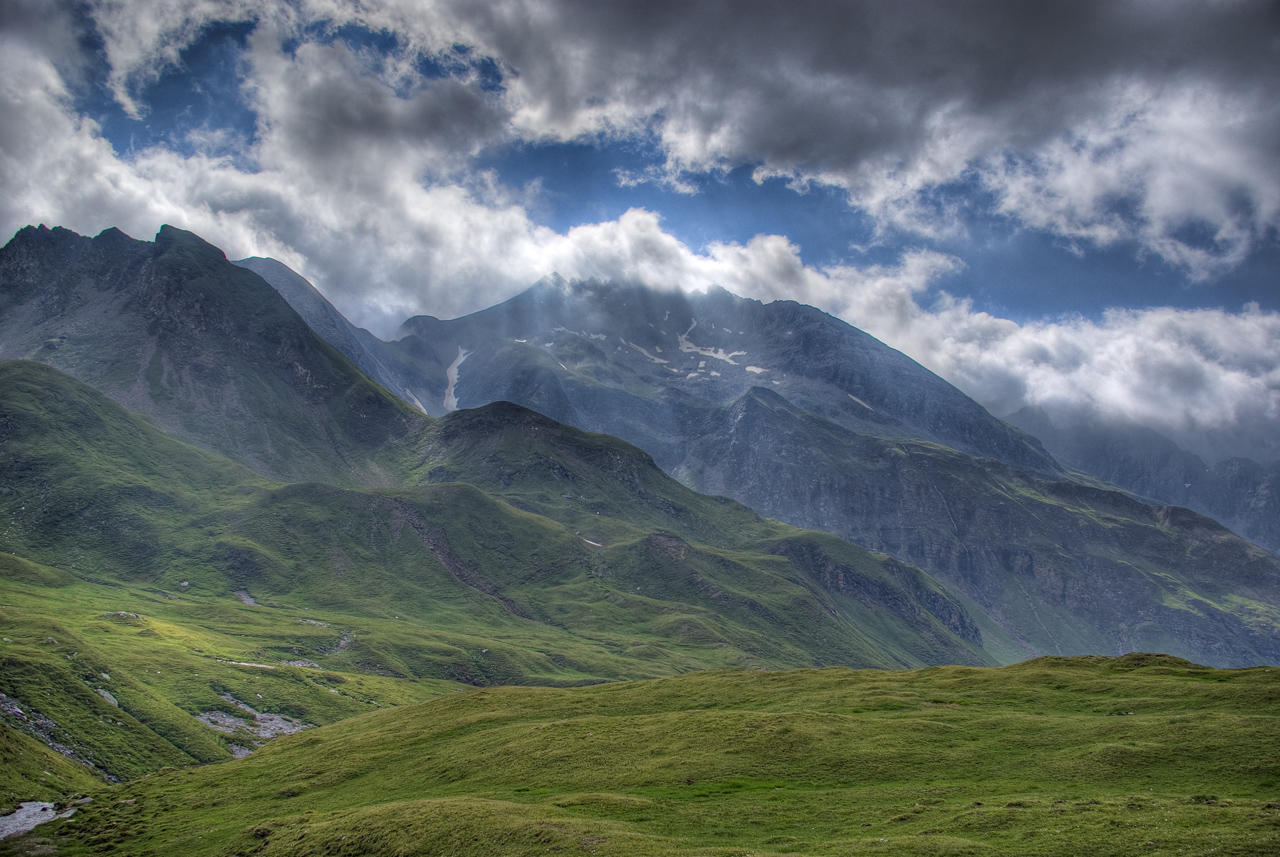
pixel 171 238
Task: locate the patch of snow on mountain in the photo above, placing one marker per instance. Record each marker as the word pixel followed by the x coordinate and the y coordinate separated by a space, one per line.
pixel 451 400
pixel 714 353
pixel 859 401
pixel 414 399
pixel 649 356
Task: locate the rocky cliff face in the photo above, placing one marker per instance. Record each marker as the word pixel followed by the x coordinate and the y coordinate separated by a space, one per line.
pixel 620 354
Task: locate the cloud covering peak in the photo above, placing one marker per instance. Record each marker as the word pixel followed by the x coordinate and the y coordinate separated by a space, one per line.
pixel 383 149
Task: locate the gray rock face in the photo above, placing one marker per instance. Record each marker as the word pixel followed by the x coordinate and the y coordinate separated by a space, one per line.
pixel 1242 493
pixel 639 361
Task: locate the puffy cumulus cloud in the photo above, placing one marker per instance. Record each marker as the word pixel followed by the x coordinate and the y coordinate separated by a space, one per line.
pixel 323 109
pixel 1176 173
pixel 1096 120
pixel 1208 379
pixel 141 38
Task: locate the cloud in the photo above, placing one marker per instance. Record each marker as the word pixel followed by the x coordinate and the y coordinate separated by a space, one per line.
pixel 1207 378
pixel 1147 123
pixel 1100 123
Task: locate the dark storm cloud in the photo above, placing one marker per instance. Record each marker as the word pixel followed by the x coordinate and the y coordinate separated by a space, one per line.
pixel 866 77
pixel 1147 124
pixel 1096 121
pixel 331 108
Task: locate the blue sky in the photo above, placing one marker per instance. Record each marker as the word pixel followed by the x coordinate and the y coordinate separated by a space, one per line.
pixel 1066 205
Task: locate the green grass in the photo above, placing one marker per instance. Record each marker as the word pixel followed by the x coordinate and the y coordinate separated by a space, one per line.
pixel 128 554
pixel 1039 758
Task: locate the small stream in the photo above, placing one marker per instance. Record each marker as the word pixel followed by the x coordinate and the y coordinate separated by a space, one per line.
pixel 27 816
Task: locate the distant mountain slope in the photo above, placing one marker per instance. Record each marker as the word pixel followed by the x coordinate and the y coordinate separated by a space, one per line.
pixel 516 550
pixel 808 420
pixel 601 350
pixel 1241 493
pixel 163 512
pixel 779 406
pixel 206 349
pixel 359 345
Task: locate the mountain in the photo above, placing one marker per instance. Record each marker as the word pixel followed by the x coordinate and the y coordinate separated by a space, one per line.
pixel 778 406
pixel 1242 493
pixel 204 348
pixel 1039 758
pixel 159 585
pixel 806 419
pixel 627 356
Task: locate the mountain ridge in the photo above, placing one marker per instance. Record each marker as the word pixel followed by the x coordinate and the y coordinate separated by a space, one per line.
pixel 762 406
pixel 1024 546
pixel 171 329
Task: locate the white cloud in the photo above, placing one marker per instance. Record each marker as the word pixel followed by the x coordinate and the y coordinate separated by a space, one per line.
pixel 362 176
pixel 1209 379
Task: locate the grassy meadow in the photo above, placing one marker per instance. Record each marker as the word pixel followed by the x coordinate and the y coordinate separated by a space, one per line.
pixel 1142 754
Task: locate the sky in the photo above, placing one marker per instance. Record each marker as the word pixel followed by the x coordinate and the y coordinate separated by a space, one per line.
pixel 1065 205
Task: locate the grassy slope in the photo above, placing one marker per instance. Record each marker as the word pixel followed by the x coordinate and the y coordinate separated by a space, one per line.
pixel 127 550
pixel 1141 754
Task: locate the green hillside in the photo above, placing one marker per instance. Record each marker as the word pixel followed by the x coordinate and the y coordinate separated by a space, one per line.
pixel 1136 755
pixel 148 585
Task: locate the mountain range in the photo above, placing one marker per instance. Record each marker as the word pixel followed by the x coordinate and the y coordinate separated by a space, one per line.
pixel 228 514
pixel 155 582
pixel 779 406
pixel 1242 493
pixel 807 419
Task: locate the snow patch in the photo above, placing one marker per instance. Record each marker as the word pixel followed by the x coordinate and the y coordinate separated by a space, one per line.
pixel 647 355
pixel 859 401
pixel 414 400
pixel 714 353
pixel 451 374
pixel 593 544
pixel 757 370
